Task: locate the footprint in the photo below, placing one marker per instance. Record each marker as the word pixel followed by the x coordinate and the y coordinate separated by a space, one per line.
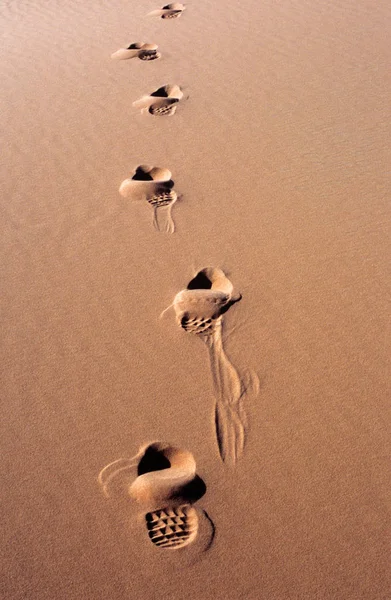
pixel 166 486
pixel 170 11
pixel 149 52
pixel 199 310
pixel 138 49
pixel 153 184
pixel 162 102
pixel 207 297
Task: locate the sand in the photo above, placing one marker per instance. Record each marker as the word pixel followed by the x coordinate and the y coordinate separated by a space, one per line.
pixel 279 150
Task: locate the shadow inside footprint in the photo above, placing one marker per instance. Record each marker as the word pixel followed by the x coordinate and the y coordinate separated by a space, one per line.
pixel 153 460
pixel 200 282
pixel 211 278
pixel 141 174
pixel 156 458
pixel 162 92
pixel 157 174
pixel 168 91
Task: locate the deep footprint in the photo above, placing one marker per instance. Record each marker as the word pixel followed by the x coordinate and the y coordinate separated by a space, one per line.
pixel 166 486
pixel 207 297
pixel 153 184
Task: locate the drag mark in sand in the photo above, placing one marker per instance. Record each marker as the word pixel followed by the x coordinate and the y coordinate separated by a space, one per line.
pixel 230 390
pixel 155 185
pixel 199 309
pixel 166 485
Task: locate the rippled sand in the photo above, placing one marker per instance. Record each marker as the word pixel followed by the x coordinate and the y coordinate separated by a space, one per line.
pixel 280 151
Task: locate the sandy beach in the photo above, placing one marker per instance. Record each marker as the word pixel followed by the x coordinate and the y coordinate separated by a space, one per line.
pixel 262 394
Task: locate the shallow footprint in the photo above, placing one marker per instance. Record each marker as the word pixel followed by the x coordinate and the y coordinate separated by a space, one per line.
pixel 153 184
pixel 161 102
pixel 169 11
pixel 137 50
pixel 166 486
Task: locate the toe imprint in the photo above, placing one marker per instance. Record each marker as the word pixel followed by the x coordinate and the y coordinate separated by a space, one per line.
pixel 198 326
pixel 172 528
pixel 149 55
pixel 162 109
pixel 168 91
pixel 172 15
pixel 162 198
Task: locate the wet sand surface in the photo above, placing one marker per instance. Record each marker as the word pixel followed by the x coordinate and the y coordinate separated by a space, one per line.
pixel 280 151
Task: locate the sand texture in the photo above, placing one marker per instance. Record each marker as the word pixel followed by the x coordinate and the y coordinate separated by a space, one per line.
pixel 238 174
